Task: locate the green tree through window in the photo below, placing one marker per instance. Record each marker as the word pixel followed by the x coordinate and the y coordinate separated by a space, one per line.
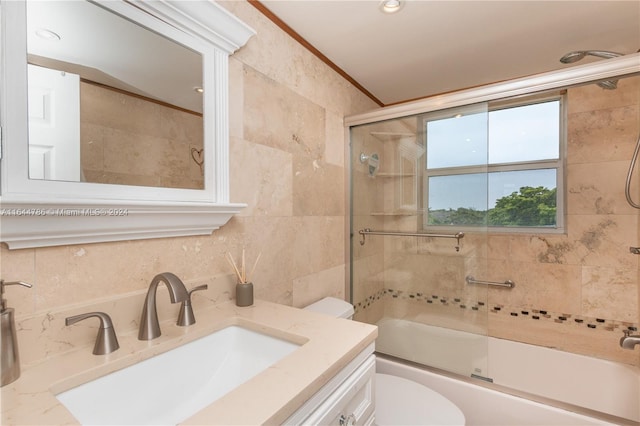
pixel 530 206
pixel 527 207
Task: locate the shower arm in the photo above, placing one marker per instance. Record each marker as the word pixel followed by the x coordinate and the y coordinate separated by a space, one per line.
pixel 578 55
pixel 603 54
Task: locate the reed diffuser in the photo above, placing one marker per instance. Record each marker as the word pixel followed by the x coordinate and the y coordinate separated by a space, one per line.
pixel 244 287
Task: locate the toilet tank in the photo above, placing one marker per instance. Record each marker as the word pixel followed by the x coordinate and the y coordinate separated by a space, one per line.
pixel 332 306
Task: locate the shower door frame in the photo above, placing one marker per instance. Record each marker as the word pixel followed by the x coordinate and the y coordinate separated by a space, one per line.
pixel 572 76
pixel 575 75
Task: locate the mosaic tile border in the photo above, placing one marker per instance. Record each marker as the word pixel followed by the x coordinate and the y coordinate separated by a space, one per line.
pixel 534 314
pixel 358 307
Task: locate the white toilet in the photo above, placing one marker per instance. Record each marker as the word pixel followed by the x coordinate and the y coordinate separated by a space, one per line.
pixel 399 401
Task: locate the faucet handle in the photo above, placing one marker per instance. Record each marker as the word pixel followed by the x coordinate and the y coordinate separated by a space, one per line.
pixel 106 341
pixel 200 287
pixel 629 341
pixel 186 316
pixel 22 283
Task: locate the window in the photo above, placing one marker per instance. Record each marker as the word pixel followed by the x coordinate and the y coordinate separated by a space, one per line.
pixel 497 165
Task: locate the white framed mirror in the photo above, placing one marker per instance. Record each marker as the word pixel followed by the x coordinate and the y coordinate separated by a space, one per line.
pixel 111 101
pixel 144 149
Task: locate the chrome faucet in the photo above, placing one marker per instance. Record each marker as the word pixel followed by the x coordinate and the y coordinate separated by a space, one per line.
pixel 629 341
pixel 149 325
pixel 10 358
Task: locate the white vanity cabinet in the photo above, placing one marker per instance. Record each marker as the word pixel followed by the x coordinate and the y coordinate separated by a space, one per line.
pixel 347 399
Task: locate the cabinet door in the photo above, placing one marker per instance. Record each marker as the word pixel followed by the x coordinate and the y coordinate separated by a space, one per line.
pixel 352 403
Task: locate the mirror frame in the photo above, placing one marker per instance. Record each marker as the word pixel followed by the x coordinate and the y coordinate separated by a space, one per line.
pixel 39 213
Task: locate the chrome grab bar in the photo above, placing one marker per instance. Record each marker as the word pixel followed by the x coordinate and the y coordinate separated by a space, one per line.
pixel 508 283
pixel 368 231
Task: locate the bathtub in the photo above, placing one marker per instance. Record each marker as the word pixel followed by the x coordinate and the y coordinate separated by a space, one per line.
pixel 532 385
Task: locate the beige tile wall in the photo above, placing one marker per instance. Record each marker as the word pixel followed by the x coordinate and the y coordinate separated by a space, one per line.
pixel 287 164
pixel 128 140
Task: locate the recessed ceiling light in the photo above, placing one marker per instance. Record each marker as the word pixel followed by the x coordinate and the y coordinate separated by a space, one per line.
pixel 47 34
pixel 198 89
pixel 391 6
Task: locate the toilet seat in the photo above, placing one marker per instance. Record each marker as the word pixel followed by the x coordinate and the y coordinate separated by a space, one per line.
pixel 401 401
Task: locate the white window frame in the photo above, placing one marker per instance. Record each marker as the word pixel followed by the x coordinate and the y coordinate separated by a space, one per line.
pixel 557 164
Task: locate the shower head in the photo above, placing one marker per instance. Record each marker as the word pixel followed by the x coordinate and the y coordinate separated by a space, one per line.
pixel 372 161
pixel 577 55
pixel 572 57
pixel 608 84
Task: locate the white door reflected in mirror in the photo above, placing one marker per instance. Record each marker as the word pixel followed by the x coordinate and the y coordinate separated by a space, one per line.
pixel 54 124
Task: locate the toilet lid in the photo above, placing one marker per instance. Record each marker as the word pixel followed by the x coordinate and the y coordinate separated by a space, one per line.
pixel 337 308
pixel 403 402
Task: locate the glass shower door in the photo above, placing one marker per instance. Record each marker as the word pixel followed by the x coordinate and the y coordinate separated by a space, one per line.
pixel 410 207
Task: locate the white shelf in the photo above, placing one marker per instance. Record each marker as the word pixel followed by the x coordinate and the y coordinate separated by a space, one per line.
pixel 391 136
pixel 394 175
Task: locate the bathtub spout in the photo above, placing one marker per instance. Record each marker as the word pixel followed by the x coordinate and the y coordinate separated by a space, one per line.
pixel 629 341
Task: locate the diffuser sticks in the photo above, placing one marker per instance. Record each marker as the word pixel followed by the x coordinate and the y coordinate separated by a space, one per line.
pixel 241 272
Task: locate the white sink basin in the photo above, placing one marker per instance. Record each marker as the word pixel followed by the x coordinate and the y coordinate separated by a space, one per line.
pixel 171 387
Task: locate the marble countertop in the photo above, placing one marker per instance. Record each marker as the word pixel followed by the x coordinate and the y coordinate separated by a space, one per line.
pixel 327 346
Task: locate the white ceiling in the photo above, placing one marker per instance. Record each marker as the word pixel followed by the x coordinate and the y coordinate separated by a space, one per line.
pixel 431 47
pixel 106 48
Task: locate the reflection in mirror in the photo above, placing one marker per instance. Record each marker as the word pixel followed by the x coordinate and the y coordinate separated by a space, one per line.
pixel 111 101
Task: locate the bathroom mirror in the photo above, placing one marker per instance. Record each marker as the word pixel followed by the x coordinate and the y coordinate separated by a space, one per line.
pixel 40 210
pixel 111 101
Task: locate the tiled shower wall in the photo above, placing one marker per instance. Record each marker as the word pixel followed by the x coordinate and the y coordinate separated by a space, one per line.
pixel 287 163
pixel 576 291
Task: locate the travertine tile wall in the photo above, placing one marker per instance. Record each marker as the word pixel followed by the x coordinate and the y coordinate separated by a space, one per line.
pixel 586 280
pixel 127 140
pixel 575 291
pixel 287 163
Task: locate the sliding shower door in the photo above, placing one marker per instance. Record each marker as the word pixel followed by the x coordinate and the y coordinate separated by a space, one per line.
pixel 425 191
pixel 419 191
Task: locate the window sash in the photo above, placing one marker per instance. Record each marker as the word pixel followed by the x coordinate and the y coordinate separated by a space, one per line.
pixel 557 164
